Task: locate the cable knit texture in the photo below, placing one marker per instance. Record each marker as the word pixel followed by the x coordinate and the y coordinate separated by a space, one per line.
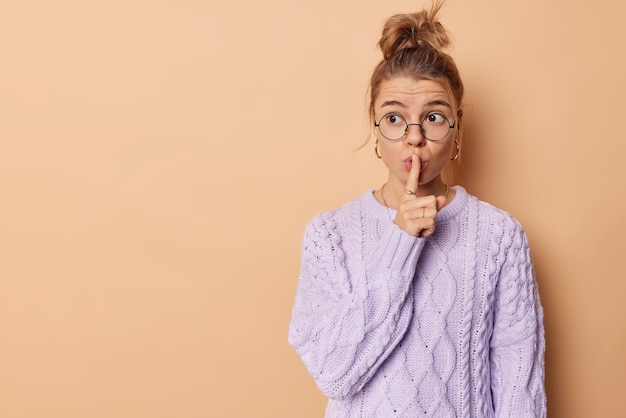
pixel 390 325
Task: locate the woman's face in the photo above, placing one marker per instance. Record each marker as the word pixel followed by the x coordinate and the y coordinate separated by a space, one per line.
pixel 417 102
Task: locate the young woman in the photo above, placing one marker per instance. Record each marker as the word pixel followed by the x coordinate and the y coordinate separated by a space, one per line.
pixel 418 299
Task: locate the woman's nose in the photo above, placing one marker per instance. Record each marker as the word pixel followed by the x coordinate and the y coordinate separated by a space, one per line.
pixel 415 137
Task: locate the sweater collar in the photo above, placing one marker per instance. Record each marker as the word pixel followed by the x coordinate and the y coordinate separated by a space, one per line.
pixel 383 213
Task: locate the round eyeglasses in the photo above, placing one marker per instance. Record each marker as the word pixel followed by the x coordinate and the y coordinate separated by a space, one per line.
pixel 435 126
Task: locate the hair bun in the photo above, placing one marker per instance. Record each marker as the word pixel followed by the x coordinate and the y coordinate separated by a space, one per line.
pixel 413 30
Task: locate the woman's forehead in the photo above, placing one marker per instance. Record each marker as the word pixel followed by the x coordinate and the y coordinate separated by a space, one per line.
pixel 405 92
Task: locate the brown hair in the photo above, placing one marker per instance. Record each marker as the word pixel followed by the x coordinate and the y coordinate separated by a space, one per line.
pixel 412 46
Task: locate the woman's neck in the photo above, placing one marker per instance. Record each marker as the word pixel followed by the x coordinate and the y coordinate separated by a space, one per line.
pixel 391 193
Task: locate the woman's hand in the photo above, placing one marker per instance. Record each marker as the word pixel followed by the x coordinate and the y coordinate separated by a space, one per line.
pixel 416 215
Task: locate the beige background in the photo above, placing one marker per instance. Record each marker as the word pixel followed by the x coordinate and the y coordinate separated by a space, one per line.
pixel 160 158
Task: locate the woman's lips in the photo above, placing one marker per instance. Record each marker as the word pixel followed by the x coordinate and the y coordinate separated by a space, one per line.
pixel 408 163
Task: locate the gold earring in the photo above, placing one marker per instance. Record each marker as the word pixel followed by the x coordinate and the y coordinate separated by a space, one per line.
pixel 376 150
pixel 458 150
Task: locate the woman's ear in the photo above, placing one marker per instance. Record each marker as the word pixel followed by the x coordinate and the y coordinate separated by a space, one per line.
pixel 459 122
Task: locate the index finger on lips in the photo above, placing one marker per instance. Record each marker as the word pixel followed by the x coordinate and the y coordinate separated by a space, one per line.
pixel 412 182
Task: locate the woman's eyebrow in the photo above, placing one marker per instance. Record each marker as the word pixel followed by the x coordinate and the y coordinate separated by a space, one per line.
pixel 438 103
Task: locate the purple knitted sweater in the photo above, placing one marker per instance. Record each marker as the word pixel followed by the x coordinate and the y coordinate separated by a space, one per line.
pixel 390 325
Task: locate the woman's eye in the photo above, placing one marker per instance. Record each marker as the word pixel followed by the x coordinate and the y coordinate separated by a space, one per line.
pixel 394 119
pixel 435 118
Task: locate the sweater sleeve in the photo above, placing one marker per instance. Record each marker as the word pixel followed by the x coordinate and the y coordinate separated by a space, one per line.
pixel 345 322
pixel 517 342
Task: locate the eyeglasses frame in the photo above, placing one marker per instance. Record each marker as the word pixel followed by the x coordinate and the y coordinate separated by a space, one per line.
pixel 450 127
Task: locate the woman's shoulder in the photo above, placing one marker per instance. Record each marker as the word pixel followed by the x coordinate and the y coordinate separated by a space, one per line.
pixel 348 213
pixel 366 201
pixel 492 216
pixel 327 231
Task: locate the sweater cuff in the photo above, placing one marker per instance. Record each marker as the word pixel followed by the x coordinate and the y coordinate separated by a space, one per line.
pixel 398 251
